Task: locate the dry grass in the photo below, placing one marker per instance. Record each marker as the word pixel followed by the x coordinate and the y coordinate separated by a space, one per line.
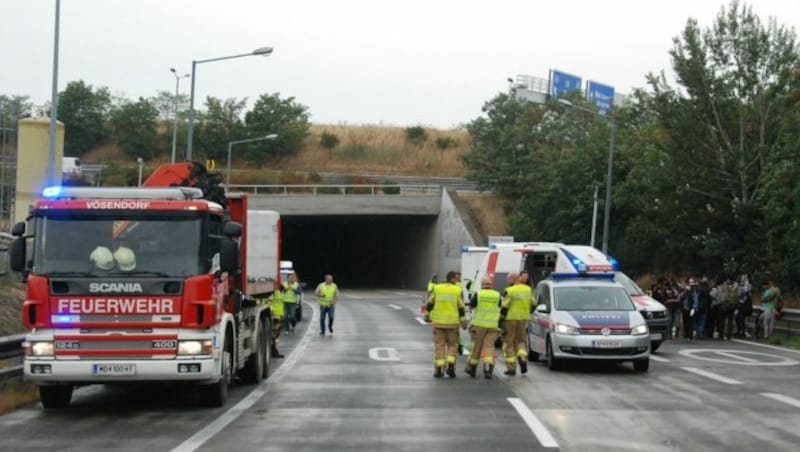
pixel 17 395
pixel 379 150
pixel 12 293
pixel 488 212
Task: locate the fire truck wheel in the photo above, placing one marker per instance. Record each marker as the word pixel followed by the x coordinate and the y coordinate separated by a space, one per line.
pixel 266 327
pixel 56 396
pixel 216 394
pixel 253 371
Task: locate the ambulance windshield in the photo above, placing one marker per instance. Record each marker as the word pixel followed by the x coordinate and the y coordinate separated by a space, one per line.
pixel 116 245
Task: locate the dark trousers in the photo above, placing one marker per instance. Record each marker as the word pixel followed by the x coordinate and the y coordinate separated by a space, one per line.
pixel 290 317
pixel 740 322
pixel 674 317
pixel 326 311
pixel 687 324
pixel 725 322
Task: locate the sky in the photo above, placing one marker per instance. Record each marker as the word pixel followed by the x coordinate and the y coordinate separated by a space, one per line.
pixel 409 62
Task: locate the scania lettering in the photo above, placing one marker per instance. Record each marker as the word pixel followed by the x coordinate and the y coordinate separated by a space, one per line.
pixel 115 287
pixel 158 283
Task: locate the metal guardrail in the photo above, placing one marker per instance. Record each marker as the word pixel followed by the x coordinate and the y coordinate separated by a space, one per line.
pixel 11 349
pixel 340 190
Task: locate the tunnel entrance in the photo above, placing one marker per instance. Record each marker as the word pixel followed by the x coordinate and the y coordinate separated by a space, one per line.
pixel 362 251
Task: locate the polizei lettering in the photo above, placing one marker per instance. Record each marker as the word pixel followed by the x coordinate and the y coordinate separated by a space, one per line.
pixel 116 306
pixel 115 287
pixel 117 204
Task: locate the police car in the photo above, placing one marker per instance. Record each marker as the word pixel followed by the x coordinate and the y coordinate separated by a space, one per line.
pixel 583 314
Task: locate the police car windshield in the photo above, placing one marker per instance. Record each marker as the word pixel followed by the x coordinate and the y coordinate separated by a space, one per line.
pixel 630 286
pixel 592 299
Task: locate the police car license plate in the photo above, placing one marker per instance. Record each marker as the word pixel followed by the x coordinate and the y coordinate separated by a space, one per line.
pixel 116 370
pixel 655 336
pixel 607 344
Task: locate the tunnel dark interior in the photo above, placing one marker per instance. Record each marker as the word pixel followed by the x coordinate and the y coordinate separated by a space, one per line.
pixel 361 251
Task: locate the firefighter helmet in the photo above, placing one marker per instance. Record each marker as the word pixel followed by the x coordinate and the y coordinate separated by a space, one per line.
pixel 125 259
pixel 102 258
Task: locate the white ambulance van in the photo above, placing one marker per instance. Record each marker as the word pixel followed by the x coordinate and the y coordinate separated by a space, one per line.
pixel 471 258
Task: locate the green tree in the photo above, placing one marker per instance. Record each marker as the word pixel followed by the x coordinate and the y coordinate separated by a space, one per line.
pixel 329 141
pixel 285 117
pixel 84 110
pixel 134 126
pixel 724 127
pixel 164 101
pixel 14 108
pixel 218 125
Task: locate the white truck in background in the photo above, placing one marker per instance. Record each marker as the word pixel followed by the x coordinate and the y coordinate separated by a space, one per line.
pixel 71 167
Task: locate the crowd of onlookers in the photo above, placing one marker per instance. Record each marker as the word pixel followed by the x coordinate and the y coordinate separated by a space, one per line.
pixel 701 308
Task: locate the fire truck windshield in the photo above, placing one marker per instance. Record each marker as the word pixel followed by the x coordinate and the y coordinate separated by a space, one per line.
pixel 102 245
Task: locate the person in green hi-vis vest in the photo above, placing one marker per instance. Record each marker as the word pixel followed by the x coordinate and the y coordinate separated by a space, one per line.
pixel 328 294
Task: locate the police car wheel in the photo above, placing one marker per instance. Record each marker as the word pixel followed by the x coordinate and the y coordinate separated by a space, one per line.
pixel 553 363
pixel 654 345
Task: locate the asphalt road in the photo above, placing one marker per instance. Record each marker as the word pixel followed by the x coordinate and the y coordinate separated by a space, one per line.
pixel 369 387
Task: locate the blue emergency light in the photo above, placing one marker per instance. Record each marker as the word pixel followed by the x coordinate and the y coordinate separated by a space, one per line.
pixel 52 192
pixel 63 318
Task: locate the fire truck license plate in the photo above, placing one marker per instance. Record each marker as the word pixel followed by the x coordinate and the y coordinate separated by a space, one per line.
pixel 113 369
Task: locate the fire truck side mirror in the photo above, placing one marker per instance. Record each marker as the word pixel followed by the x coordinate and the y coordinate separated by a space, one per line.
pixel 19 229
pixel 17 254
pixel 232 229
pixel 229 256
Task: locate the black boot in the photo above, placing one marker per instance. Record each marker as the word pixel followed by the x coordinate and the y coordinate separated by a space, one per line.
pixel 510 372
pixel 276 353
pixel 439 373
pixel 488 371
pixel 451 370
pixel 523 364
pixel 470 370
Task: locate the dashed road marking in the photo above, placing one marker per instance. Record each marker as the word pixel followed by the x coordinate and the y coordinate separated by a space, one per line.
pixel 738 357
pixel 421 320
pixel 536 426
pixel 782 398
pixel 659 359
pixel 711 375
pixel 384 354
pixel 395 307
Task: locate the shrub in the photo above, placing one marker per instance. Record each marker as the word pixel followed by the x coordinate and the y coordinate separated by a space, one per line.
pixel 446 142
pixel 416 135
pixel 391 187
pixel 329 141
pixel 353 151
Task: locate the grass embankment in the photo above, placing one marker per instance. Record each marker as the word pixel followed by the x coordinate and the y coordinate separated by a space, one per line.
pixel 14 395
pixel 488 212
pixel 12 293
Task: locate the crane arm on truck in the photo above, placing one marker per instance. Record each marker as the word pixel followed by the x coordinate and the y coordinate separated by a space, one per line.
pixel 189 174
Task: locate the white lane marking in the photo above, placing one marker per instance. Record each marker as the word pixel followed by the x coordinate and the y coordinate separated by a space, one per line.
pixel 399 294
pixel 659 359
pixel 389 354
pixel 711 375
pixel 738 357
pixel 773 347
pixel 735 356
pixel 464 351
pixel 355 297
pixel 395 307
pixel 536 426
pixel 421 320
pixel 202 436
pixel 782 398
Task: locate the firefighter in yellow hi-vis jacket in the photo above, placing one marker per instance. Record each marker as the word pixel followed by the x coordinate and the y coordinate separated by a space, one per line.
pixel 516 310
pixel 446 308
pixel 485 317
pixel 276 303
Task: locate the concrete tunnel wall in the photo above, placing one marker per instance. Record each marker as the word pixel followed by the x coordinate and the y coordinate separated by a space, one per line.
pixel 362 251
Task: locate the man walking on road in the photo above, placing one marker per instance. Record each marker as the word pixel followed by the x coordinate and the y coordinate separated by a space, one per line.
pixel 769 302
pixel 517 306
pixel 446 308
pixel 290 289
pixel 328 294
pixel 485 317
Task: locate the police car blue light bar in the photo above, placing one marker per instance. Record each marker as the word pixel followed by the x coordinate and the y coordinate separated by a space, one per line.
pixel 52 192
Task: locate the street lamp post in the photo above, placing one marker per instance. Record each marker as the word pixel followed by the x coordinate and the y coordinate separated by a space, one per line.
pixel 140 161
pixel 612 132
pixel 271 136
pixel 51 160
pixel 175 119
pixel 265 51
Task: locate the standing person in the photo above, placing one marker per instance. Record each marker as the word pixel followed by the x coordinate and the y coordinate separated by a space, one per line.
pixel 328 294
pixel 432 283
pixel 769 303
pixel 276 307
pixel 690 299
pixel 485 306
pixel 446 308
pixel 745 306
pixel 714 319
pixel 730 300
pixel 702 302
pixel 291 290
pixel 517 306
pixel 673 304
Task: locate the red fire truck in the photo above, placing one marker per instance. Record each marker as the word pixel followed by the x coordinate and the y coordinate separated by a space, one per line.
pixel 158 283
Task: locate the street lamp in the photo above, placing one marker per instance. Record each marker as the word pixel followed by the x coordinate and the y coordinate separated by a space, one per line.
pixel 612 132
pixel 51 158
pixel 271 136
pixel 175 119
pixel 265 51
